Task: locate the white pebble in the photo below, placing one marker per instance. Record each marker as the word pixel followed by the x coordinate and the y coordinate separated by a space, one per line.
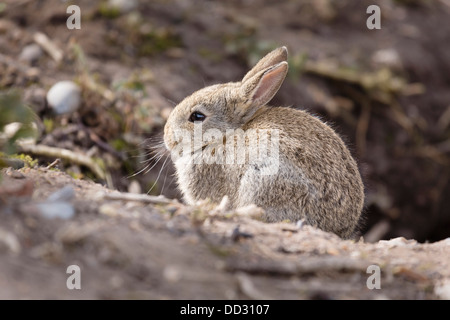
pixel 300 223
pixel 123 5
pixel 172 274
pixel 64 194
pixel 58 209
pixel 224 205
pixel 64 97
pixel 397 242
pixel 442 290
pixel 387 57
pixel 9 242
pixel 251 211
pixel 134 187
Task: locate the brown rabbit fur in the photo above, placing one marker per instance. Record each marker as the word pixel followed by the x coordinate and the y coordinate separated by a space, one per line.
pixel 317 179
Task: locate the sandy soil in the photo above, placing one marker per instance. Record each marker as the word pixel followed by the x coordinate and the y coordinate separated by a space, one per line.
pixel 133 250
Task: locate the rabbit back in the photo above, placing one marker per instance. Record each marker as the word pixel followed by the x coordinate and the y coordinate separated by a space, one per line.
pixel 317 179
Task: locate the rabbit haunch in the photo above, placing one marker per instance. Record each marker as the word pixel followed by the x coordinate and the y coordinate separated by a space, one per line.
pixel 316 179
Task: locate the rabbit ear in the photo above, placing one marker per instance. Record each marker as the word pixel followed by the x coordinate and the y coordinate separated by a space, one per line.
pixel 260 89
pixel 272 58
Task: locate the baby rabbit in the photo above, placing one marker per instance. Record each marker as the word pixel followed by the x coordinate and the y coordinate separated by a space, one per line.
pixel 309 174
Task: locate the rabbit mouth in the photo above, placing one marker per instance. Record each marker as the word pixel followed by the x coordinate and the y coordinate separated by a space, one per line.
pixel 214 143
pixel 202 148
pixel 180 148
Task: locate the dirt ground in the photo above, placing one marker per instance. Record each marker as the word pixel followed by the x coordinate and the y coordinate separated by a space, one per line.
pixel 132 250
pixel 385 91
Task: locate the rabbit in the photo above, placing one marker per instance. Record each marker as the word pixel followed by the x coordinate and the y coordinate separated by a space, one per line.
pixel 316 178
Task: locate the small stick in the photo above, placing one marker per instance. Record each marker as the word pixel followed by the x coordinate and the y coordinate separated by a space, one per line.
pixel 69 155
pixel 137 197
pixel 46 44
pixel 54 163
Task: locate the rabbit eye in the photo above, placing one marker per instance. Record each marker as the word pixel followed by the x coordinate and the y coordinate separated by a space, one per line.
pixel 197 116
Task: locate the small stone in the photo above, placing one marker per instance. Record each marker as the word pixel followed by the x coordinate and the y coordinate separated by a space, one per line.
pixel 397 242
pixel 333 251
pixel 9 242
pixel 32 74
pixel 30 53
pixel 134 187
pixel 53 210
pixel 13 163
pixel 64 97
pixel 251 211
pixel 123 5
pixel 300 223
pixel 172 274
pixel 64 194
pixel 10 172
pixel 224 205
pixel 442 290
pixel 387 57
pixel 116 281
pixel 109 210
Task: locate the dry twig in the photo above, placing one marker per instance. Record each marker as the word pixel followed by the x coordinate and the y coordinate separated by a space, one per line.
pixel 137 197
pixel 54 163
pixel 48 45
pixel 69 155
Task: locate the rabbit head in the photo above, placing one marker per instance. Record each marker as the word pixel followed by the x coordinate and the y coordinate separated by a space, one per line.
pixel 229 105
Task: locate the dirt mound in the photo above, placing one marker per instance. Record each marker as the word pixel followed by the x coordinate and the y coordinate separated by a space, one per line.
pixel 141 250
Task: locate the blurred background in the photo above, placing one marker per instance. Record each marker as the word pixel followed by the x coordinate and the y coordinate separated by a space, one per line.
pixel 385 91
